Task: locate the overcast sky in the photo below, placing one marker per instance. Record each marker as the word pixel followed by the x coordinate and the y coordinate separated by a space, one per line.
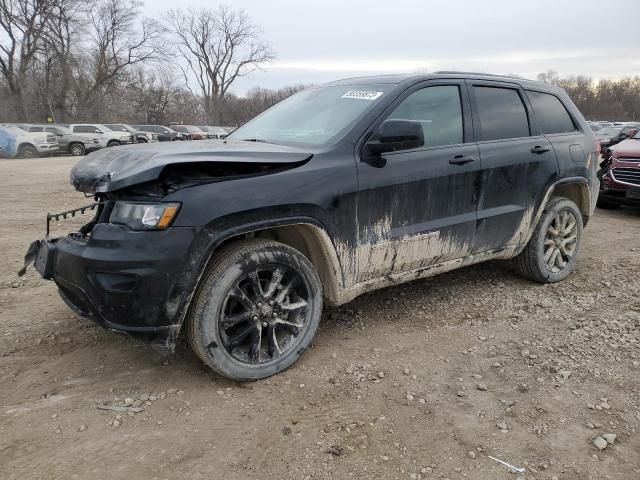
pixel 322 40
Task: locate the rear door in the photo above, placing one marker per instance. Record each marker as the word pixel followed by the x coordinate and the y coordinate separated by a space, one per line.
pixel 517 163
pixel 417 207
pixel 571 145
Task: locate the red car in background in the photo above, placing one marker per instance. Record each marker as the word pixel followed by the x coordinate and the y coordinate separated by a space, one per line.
pixel 620 175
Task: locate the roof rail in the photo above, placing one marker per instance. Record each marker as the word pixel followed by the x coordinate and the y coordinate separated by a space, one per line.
pixel 457 72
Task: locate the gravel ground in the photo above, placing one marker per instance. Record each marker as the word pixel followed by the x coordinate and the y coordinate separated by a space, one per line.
pixel 420 381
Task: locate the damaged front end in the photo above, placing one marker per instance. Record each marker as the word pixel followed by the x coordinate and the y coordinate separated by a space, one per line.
pixel 38 252
pixel 113 274
pixel 132 267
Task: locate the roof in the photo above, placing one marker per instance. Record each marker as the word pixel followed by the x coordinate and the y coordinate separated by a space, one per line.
pixel 401 78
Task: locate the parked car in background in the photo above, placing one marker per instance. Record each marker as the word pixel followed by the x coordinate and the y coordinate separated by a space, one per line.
pixel 609 136
pixel 139 136
pixel 8 144
pixel 69 143
pixel 165 134
pixel 595 126
pixel 193 132
pixel 217 133
pixel 338 190
pixel 22 143
pixel 108 138
pixel 620 175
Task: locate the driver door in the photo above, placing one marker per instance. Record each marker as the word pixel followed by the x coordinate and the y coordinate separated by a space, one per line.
pixel 417 207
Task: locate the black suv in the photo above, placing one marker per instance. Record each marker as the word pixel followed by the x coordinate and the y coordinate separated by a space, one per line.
pixel 338 190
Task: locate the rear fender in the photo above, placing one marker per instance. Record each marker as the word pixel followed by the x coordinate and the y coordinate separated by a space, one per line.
pixel 575 189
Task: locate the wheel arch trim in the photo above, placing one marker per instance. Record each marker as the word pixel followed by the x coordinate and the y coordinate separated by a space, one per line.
pixel 584 203
pixel 323 253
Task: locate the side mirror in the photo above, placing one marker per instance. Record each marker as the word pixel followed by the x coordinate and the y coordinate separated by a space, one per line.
pixel 397 135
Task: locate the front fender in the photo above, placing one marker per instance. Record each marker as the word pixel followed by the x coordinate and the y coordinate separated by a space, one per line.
pixel 209 240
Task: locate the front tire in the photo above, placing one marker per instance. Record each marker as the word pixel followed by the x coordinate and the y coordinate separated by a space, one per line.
pixel 28 151
pixel 256 310
pixel 77 149
pixel 552 252
pixel 113 143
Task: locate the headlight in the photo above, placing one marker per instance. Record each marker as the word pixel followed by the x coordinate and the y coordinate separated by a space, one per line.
pixel 125 138
pixel 144 216
pixel 39 139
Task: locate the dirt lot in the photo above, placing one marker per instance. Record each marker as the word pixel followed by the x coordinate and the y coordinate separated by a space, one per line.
pixel 424 380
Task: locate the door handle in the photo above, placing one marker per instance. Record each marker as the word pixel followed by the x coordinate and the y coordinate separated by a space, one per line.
pixel 461 160
pixel 538 150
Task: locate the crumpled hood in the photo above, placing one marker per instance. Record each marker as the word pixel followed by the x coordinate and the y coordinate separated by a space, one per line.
pixel 115 168
pixel 628 148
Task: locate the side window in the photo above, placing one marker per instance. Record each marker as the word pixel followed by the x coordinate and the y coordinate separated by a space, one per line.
pixel 502 113
pixel 55 131
pixel 439 111
pixel 82 129
pixel 35 129
pixel 93 129
pixel 551 114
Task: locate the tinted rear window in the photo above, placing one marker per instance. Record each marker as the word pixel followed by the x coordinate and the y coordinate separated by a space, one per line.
pixel 502 113
pixel 550 113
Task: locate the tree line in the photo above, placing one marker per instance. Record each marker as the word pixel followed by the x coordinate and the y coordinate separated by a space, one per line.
pixel 104 61
pixel 606 99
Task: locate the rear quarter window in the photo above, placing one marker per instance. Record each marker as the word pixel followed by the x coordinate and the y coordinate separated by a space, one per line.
pixel 550 113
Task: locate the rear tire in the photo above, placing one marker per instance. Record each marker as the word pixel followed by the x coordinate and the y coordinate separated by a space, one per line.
pixel 28 151
pixel 552 252
pixel 77 149
pixel 256 311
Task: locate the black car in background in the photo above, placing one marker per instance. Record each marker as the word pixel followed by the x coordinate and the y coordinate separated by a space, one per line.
pixel 338 190
pixel 165 134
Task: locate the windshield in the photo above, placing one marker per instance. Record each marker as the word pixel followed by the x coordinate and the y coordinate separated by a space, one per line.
pixel 610 131
pixel 312 117
pixel 119 128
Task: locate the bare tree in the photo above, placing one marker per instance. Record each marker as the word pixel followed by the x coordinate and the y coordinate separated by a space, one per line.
pixel 218 46
pixel 150 94
pixel 58 61
pixel 22 28
pixel 117 40
pixel 550 76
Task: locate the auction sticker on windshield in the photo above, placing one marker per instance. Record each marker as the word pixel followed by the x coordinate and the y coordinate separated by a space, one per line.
pixel 363 94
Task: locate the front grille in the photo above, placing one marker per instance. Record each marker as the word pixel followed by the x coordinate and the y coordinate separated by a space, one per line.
pixel 51 139
pixel 627 175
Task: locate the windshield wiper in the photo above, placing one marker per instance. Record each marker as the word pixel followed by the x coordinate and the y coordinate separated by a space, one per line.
pixel 256 140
